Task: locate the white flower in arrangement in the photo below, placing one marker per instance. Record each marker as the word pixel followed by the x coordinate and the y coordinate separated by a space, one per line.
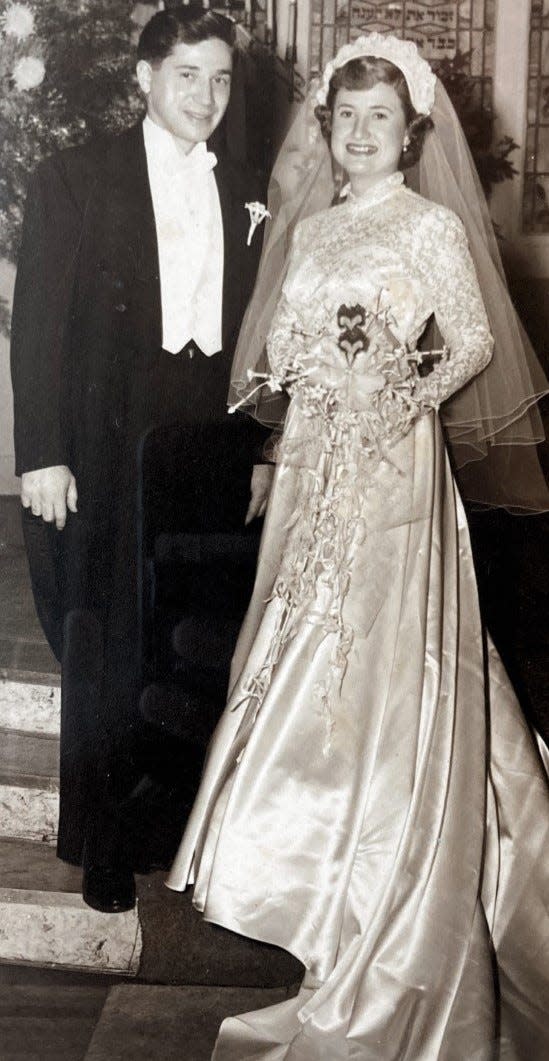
pixel 258 212
pixel 18 21
pixel 28 72
pixel 143 12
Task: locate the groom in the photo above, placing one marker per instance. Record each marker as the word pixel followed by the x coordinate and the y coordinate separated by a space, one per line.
pixel 133 277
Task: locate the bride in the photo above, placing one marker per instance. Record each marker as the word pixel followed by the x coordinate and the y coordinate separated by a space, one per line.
pixel 373 801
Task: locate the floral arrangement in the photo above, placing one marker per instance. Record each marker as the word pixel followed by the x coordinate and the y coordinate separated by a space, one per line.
pixel 360 378
pixel 65 73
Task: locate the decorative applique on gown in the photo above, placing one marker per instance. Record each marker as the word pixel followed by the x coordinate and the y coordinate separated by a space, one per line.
pixel 373 801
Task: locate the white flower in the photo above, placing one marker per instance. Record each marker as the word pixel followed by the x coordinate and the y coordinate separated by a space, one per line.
pixel 19 21
pixel 143 12
pixel 28 72
pixel 258 212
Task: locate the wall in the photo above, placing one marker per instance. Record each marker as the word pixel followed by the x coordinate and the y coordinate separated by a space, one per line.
pixel 8 483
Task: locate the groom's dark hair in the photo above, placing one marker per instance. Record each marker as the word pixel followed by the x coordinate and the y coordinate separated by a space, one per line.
pixel 182 25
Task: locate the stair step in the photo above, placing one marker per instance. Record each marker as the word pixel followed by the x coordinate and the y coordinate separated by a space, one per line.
pixel 24 652
pixel 36 867
pixel 24 755
pixel 44 921
pixel 149 1023
pixel 29 810
pixel 25 661
pixel 29 787
pixel 49 924
pixel 30 707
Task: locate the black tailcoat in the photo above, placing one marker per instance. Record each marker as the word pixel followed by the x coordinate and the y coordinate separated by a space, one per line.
pixel 91 388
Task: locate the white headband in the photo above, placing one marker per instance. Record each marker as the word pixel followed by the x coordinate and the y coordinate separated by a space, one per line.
pixel 421 80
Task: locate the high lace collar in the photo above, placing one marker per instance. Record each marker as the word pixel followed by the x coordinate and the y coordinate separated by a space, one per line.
pixel 376 194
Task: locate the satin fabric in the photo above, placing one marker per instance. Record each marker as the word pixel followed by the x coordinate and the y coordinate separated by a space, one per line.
pixel 395 848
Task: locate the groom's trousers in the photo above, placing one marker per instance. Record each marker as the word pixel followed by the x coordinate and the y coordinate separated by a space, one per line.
pixel 181 466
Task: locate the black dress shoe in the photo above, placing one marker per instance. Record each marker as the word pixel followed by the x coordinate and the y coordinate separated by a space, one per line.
pixel 112 891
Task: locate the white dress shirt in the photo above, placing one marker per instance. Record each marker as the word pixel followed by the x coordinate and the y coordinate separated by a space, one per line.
pixel 189 230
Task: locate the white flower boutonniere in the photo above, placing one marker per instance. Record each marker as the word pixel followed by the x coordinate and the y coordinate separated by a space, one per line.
pixel 258 212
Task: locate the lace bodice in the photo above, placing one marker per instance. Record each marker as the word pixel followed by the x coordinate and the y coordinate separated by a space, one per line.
pixel 402 259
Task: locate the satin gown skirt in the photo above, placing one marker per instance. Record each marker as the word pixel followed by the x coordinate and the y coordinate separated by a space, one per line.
pixel 393 836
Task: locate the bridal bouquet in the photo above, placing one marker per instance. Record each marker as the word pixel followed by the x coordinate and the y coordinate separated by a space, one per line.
pixel 356 373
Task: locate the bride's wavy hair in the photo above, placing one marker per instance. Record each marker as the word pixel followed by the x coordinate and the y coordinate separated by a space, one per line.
pixel 364 73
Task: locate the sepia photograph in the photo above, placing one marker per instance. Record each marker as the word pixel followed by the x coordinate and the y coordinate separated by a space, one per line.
pixel 274 526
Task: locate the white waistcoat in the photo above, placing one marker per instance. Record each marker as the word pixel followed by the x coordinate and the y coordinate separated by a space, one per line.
pixel 189 230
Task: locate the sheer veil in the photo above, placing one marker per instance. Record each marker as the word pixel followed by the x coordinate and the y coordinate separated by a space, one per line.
pixel 493 424
pixel 301 184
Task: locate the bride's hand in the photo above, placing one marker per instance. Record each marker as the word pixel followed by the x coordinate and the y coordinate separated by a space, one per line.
pixel 326 365
pixel 260 488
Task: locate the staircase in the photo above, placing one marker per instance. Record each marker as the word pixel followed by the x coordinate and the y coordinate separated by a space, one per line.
pixel 180 976
pixel 43 919
pixel 45 923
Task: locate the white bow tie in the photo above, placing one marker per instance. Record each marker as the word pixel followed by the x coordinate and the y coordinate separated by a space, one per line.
pixel 197 163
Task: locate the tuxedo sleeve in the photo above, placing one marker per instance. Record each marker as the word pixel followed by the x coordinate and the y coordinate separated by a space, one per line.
pixel 41 317
pixel 262 439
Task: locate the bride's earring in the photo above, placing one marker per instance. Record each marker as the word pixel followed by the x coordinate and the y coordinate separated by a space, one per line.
pixel 406 144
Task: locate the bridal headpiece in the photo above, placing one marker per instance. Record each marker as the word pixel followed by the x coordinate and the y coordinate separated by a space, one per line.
pixel 492 425
pixel 421 80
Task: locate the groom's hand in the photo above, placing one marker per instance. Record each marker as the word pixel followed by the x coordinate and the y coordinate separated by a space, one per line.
pixel 48 492
pixel 260 488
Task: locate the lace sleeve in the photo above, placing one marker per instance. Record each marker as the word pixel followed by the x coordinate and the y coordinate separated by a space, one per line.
pixel 459 310
pixel 285 341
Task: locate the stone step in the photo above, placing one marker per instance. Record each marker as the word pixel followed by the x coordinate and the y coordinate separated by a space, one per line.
pixel 44 920
pixel 24 755
pixel 31 707
pixel 29 811
pixel 29 787
pixel 151 1023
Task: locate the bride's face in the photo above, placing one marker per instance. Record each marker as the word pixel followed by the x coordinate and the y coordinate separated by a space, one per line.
pixel 368 133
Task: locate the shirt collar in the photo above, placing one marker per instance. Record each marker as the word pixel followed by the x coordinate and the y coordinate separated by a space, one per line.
pixel 164 153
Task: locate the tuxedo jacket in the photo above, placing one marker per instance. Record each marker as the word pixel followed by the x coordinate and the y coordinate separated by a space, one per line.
pixel 87 297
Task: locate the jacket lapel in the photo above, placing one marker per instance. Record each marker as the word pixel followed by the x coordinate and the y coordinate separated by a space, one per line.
pixel 130 229
pixel 146 307
pixel 234 240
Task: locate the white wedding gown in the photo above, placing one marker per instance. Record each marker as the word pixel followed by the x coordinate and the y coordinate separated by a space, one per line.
pixel 373 801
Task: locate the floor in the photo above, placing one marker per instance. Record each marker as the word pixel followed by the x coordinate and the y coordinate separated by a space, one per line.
pixel 48 1015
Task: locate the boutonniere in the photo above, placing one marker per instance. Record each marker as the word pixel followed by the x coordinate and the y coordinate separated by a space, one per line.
pixel 258 212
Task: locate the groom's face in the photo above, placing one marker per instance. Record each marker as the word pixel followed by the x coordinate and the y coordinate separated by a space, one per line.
pixel 188 92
